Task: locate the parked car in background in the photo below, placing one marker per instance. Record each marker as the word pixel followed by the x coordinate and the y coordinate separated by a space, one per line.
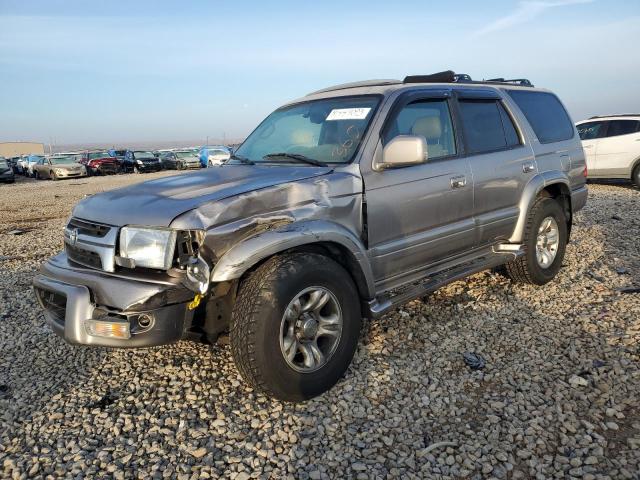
pixel 612 146
pixel 29 162
pixel 341 205
pixel 214 155
pixel 6 172
pixel 99 163
pixel 13 163
pixel 140 161
pixel 179 160
pixel 57 167
pixel 119 156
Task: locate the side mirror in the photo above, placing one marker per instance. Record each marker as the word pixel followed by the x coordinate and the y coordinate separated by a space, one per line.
pixel 403 151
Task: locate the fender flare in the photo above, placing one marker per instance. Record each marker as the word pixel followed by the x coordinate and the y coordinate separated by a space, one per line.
pixel 529 194
pixel 246 254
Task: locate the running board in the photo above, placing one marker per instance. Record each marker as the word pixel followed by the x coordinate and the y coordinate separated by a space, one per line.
pixel 381 305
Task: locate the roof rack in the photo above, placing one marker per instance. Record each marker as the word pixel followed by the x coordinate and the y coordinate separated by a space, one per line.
pixel 616 115
pixel 449 76
pixel 523 82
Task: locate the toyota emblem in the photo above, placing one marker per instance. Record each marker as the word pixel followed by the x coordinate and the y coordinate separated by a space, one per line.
pixel 73 236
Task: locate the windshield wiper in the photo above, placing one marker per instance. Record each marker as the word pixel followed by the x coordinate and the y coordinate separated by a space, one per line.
pixel 244 160
pixel 296 156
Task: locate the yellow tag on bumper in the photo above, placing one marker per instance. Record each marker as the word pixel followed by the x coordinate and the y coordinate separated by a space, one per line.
pixel 195 302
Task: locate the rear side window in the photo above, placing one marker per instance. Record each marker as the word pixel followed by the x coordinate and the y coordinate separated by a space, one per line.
pixel 591 130
pixel 545 113
pixel 622 127
pixel 487 126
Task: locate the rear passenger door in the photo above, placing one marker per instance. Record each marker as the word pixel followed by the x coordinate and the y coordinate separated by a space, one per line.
pixel 501 163
pixel 619 148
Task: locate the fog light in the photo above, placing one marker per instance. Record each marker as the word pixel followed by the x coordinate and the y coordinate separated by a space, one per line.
pixel 101 328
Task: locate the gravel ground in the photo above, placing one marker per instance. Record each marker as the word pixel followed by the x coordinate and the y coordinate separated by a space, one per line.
pixel 558 398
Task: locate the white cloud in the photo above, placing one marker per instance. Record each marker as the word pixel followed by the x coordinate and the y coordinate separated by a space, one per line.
pixel 526 12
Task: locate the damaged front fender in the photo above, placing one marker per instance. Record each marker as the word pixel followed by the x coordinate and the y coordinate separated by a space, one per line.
pixel 251 251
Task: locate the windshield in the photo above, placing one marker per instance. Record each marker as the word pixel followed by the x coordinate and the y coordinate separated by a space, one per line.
pixel 185 154
pixel 61 160
pixel 328 131
pixel 144 155
pixel 3 163
pixel 98 155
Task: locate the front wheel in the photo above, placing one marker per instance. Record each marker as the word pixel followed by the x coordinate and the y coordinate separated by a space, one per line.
pixel 545 241
pixel 136 169
pixel 295 326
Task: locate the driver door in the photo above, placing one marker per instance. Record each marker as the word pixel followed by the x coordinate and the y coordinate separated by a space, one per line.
pixel 420 214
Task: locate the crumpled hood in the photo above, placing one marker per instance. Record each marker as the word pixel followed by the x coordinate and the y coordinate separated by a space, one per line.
pixel 157 202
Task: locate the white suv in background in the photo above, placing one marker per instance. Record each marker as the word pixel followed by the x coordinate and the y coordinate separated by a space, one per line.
pixel 612 146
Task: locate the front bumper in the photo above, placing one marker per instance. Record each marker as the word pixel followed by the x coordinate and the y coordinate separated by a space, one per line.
pixel 70 296
pixel 7 176
pixel 70 174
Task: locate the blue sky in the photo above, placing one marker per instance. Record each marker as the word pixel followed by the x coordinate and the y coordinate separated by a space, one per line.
pixel 118 71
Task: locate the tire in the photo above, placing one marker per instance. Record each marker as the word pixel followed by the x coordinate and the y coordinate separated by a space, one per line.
pixel 180 166
pixel 53 176
pixel 635 176
pixel 136 169
pixel 258 323
pixel 36 175
pixel 527 268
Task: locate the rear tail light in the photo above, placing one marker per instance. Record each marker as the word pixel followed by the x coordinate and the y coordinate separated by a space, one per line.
pixel 585 172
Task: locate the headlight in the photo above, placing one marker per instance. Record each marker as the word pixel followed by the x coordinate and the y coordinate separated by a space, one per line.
pixel 59 171
pixel 139 162
pixel 148 247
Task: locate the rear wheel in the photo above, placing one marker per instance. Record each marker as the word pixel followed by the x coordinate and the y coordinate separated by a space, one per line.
pixel 295 326
pixel 545 241
pixel 635 176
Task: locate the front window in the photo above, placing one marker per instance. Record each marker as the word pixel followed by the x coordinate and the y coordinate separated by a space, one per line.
pixel 95 155
pixel 61 160
pixel 327 131
pixel 144 156
pixel 3 163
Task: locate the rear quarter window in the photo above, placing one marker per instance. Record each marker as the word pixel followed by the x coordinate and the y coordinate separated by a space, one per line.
pixel 546 115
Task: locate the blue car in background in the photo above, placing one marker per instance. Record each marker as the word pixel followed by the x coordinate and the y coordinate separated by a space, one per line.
pixel 214 155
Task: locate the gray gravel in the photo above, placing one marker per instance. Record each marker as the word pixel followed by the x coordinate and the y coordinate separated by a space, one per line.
pixel 558 397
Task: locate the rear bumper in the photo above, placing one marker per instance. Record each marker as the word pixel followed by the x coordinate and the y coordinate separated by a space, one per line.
pixel 579 198
pixel 70 297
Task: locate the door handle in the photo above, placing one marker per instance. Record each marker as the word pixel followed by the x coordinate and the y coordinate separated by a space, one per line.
pixel 458 182
pixel 528 167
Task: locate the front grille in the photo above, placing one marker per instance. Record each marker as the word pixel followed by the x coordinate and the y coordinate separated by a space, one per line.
pixel 54 303
pixel 83 257
pixel 88 228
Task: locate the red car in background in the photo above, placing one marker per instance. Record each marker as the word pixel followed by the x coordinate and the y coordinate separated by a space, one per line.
pixel 99 163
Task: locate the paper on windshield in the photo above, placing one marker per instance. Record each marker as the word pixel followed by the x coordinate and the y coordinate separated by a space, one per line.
pixel 348 114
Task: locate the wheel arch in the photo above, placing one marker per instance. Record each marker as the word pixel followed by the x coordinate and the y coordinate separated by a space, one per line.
pixel 327 238
pixel 549 184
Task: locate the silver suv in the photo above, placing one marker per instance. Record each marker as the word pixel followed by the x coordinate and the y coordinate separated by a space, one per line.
pixel 341 205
